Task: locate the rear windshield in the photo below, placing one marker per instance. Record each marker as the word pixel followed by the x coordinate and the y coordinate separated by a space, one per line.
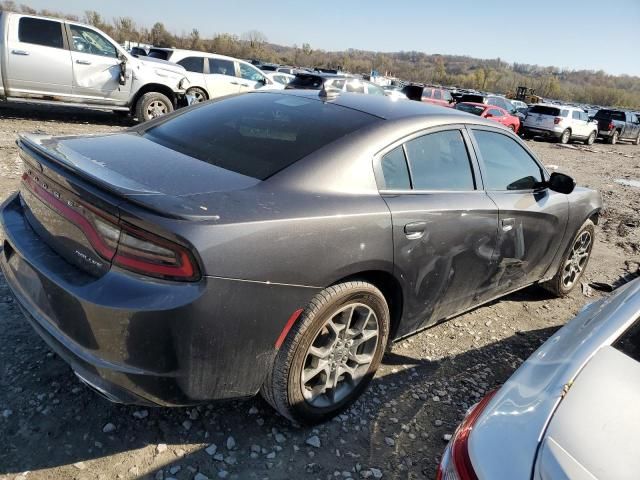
pixel 257 134
pixel 465 107
pixel 629 341
pixel 610 115
pixel 544 110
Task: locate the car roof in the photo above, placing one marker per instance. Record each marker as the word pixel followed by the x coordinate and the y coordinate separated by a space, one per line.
pixel 381 106
pixel 197 53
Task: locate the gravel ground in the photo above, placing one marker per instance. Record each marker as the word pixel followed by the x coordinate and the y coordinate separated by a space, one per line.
pixel 53 427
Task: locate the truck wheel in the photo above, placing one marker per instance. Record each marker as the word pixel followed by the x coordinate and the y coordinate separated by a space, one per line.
pixel 590 139
pixel 198 93
pixel 565 137
pixel 574 262
pixel 613 139
pixel 330 354
pixel 637 140
pixel 152 105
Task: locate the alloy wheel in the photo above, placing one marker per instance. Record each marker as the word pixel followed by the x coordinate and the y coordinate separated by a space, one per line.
pixel 340 355
pixel 156 109
pixel 577 259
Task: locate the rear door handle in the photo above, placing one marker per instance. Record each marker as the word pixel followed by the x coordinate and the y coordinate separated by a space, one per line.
pixel 415 230
pixel 83 62
pixel 508 224
pixel 19 52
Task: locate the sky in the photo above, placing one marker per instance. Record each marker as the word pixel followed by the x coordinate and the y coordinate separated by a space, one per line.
pixel 573 34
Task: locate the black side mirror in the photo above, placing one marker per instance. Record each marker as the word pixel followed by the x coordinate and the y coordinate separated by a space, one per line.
pixel 561 183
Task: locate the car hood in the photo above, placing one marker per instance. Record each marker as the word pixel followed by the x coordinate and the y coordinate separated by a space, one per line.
pixel 504 441
pixel 158 63
pixel 142 172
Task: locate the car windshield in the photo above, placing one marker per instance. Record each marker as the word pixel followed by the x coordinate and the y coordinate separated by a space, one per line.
pixel 610 115
pixel 466 107
pixel 257 134
pixel 544 110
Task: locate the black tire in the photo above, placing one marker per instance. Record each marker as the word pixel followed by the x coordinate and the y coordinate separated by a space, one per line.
pixel 527 135
pixel 557 284
pixel 613 139
pixel 591 138
pixel 145 105
pixel 637 140
pixel 283 387
pixel 565 137
pixel 199 93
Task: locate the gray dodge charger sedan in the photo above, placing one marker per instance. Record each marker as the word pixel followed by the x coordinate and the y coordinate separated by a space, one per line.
pixel 277 242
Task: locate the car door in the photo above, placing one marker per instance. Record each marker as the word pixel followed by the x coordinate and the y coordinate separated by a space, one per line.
pixel 494 114
pixel 195 66
pixel 38 58
pixel 532 219
pixel 444 224
pixel 578 124
pixel 96 67
pixel 250 78
pixel 221 79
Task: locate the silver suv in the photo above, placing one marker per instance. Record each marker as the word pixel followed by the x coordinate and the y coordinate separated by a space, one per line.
pixel 562 122
pixel 59 62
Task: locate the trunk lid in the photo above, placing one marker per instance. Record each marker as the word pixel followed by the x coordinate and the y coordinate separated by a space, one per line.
pixel 540 116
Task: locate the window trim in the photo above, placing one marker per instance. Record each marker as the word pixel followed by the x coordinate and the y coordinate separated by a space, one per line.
pixel 63 32
pixel 543 171
pixel 473 162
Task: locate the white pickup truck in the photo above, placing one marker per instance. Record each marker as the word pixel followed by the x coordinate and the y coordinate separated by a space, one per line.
pixel 60 62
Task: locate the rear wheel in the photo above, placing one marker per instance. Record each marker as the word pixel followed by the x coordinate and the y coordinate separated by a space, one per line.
pixel 613 139
pixel 152 105
pixel 574 262
pixel 331 353
pixel 637 140
pixel 590 139
pixel 565 137
pixel 512 128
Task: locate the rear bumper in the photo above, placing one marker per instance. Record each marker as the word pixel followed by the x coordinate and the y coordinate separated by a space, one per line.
pixel 605 133
pixel 145 341
pixel 541 132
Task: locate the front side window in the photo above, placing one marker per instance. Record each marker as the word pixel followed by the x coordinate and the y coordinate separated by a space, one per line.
pixel 439 161
pixel 192 64
pixel 576 115
pixel 86 40
pixel 394 170
pixel 507 166
pixel 249 73
pixel 38 31
pixel 446 96
pixel 220 66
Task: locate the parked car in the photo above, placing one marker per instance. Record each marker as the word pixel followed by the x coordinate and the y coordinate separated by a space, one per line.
pixel 614 125
pixel 60 62
pixel 268 67
pixel 437 96
pixel 494 100
pixel 275 241
pixel 563 123
pixel 570 410
pixel 288 70
pixel 394 92
pixel 496 114
pixel 279 79
pixel 330 81
pixel 519 105
pixel 212 75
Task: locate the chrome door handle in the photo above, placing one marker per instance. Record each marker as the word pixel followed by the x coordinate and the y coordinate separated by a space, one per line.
pixel 83 62
pixel 508 224
pixel 19 52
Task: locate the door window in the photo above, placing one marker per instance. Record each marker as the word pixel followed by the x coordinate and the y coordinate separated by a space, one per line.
pixel 507 166
pixel 192 64
pixel 437 95
pixel 447 96
pixel 494 112
pixel 394 170
pixel 40 32
pixel 439 161
pixel 355 86
pixel 250 73
pixel 576 115
pixel 220 66
pixel 86 40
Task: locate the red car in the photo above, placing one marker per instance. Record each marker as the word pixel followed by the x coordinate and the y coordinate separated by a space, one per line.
pixel 491 111
pixel 437 96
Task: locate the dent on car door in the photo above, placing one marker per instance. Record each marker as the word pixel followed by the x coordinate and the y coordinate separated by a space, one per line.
pixel 38 58
pixel 532 219
pixel 444 227
pixel 96 67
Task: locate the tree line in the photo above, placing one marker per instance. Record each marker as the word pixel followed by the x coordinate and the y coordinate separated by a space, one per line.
pixel 493 75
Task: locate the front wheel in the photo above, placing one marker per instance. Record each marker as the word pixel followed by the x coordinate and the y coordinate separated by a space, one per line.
pixel 637 140
pixel 198 94
pixel 574 262
pixel 152 105
pixel 331 353
pixel 590 139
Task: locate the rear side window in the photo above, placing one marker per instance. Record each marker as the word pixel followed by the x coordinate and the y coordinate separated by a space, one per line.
pixel 439 161
pixel 220 66
pixel 395 171
pixel 629 342
pixel 576 115
pixel 38 31
pixel 192 64
pixel 507 166
pixel 257 134
pixel 544 110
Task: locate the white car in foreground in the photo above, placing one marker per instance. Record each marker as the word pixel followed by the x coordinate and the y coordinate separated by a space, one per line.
pixel 571 411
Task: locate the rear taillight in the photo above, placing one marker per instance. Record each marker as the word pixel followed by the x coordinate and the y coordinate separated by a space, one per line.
pixel 557 120
pixel 119 242
pixel 611 126
pixel 456 463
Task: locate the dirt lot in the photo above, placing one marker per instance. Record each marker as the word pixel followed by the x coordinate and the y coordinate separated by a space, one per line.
pixel 53 427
